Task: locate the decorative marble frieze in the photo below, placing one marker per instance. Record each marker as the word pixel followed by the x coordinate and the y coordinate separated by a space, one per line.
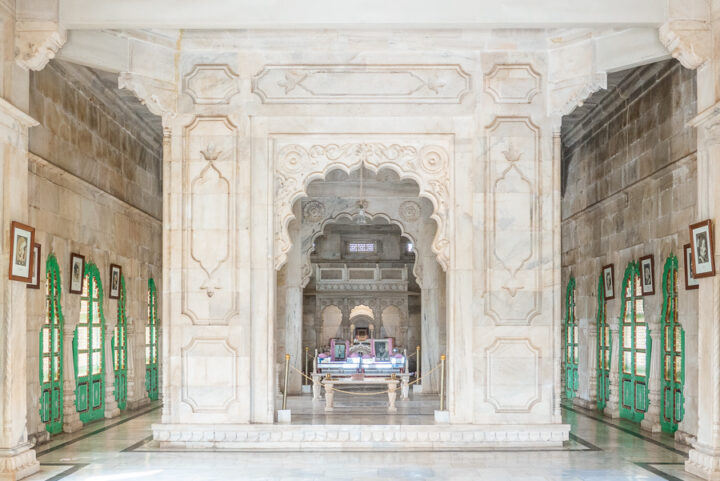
pixel 361 84
pixel 209 84
pixel 512 83
pixel 513 216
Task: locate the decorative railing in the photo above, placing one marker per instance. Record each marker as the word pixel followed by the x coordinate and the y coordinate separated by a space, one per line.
pixel 340 278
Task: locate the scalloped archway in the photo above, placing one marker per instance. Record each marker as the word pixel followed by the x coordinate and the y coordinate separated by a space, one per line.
pixel 300 159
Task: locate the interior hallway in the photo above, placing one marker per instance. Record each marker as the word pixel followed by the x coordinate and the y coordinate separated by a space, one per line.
pixel 599 449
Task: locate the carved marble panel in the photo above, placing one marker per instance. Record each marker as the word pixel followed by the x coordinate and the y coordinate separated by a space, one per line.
pixel 512 214
pixel 299 159
pixel 512 84
pixel 361 84
pixel 209 172
pixel 211 84
pixel 513 375
pixel 209 375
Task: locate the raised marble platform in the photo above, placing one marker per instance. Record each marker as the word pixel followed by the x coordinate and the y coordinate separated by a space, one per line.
pixel 354 437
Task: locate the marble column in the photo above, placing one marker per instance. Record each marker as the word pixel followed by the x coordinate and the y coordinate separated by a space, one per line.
pixel 430 313
pixel 651 421
pixel 294 308
pixel 17 459
pixel 612 408
pixel 111 407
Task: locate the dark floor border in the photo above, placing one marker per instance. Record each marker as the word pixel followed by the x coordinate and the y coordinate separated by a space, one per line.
pixel 587 444
pixel 97 431
pixel 628 431
pixel 657 472
pixel 74 468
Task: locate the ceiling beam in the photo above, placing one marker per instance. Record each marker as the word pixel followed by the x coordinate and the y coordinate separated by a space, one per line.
pixel 363 14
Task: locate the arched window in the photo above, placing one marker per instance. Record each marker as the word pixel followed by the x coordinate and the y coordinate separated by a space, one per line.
pixel 119 343
pixel 51 348
pixel 673 344
pixel 635 347
pixel 89 349
pixel 151 343
pixel 604 349
pixel 571 342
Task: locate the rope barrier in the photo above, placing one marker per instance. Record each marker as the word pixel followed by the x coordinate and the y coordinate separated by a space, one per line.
pixel 369 393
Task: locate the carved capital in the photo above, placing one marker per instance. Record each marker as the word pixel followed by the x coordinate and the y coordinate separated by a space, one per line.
pixel 36 43
pixel 689 41
pixel 158 96
pixel 567 95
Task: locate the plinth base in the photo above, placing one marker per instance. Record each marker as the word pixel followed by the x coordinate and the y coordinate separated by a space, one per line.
pixel 328 437
pixel 704 462
pixel 18 463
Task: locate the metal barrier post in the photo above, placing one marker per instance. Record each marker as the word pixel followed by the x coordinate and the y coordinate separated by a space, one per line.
pixel 417 363
pixel 287 372
pixel 305 381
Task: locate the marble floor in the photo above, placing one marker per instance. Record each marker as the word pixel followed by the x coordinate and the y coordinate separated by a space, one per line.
pixel 599 449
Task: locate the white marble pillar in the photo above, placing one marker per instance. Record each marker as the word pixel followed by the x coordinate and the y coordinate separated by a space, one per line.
pixel 17 459
pixel 651 421
pixel 294 307
pixel 71 418
pixel 430 313
pixel 111 407
pixel 612 408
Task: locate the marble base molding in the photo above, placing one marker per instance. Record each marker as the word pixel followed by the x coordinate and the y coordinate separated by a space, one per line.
pixel 351 437
pixel 704 462
pixel 18 463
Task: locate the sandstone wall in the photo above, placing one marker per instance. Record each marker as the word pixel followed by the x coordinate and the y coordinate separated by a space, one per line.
pixel 629 191
pixel 94 189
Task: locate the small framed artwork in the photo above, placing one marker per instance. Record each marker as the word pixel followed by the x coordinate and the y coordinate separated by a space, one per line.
pixel 35 279
pixel 701 240
pixel 690 281
pixel 608 273
pixel 115 273
pixel 338 349
pixel 77 273
pixel 22 240
pixel 647 275
pixel 382 349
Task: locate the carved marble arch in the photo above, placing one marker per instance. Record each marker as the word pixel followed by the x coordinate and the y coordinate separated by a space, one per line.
pixel 306 269
pixel 426 159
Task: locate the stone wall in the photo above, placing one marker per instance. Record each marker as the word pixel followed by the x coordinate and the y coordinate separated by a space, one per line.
pixel 629 191
pixel 94 189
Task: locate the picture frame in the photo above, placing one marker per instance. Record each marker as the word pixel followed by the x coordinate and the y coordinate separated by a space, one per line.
pixel 647 275
pixel 22 242
pixel 77 273
pixel 35 279
pixel 382 349
pixel 338 349
pixel 702 244
pixel 115 274
pixel 690 281
pixel 608 273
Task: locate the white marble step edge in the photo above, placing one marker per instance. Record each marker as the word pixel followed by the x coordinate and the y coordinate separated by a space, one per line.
pixel 343 437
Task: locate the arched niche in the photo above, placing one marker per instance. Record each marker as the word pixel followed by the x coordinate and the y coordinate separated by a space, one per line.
pixel 299 160
pixel 332 319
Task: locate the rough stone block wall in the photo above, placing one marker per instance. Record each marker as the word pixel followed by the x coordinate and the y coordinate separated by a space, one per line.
pixel 629 191
pixel 94 189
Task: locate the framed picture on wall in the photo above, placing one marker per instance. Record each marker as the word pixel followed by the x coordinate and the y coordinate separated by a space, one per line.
pixel 338 350
pixel 35 279
pixel 77 273
pixel 701 240
pixel 22 240
pixel 647 275
pixel 690 281
pixel 115 273
pixel 382 348
pixel 608 273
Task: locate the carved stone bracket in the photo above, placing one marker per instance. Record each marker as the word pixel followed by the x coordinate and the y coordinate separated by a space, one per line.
pixel 36 43
pixel 689 41
pixel 158 96
pixel 425 160
pixel 567 95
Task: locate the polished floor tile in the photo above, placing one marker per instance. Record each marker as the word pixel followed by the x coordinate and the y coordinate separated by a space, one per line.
pixel 599 449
